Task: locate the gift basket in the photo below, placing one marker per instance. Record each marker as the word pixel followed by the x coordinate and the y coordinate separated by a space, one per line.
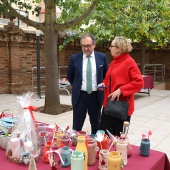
pixel 24 142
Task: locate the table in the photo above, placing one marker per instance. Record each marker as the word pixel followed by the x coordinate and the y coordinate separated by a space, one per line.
pixel 156 161
pixel 148 84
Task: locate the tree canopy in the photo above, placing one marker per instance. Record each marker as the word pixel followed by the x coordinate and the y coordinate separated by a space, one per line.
pixel 143 21
pixel 137 20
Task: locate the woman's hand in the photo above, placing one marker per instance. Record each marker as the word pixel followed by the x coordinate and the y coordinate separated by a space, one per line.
pixel 101 86
pixel 115 94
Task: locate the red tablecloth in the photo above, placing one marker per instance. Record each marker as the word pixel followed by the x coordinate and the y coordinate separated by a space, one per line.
pixel 148 82
pixel 156 161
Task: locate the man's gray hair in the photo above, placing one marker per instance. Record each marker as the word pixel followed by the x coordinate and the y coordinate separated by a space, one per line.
pixel 88 35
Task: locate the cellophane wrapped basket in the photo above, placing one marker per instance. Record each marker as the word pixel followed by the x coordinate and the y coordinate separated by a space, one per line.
pixel 24 142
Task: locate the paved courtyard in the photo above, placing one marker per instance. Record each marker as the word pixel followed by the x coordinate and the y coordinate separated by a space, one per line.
pixel 151 113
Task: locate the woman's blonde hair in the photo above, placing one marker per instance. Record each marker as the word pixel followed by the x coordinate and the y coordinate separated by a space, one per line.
pixel 123 44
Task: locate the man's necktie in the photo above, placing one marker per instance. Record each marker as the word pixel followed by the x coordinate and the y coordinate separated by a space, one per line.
pixel 89 76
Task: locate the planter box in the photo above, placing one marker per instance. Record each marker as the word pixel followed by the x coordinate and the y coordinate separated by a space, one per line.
pixel 162 86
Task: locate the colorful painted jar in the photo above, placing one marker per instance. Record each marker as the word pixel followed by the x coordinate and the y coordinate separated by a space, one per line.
pixel 81 146
pixel 77 160
pixel 47 147
pixel 103 159
pixel 145 147
pixel 65 155
pixel 102 145
pixel 41 127
pixel 91 151
pixel 59 135
pixel 83 133
pixel 65 141
pixel 114 161
pixel 122 148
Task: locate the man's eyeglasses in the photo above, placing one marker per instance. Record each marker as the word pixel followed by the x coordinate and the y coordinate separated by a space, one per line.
pixel 112 46
pixel 86 46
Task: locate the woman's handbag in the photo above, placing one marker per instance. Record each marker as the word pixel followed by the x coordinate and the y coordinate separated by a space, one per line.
pixel 117 108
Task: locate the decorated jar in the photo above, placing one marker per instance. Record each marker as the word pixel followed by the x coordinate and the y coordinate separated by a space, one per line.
pixel 145 147
pixel 122 148
pixel 77 160
pixel 102 145
pixel 81 146
pixel 65 154
pixel 47 147
pixel 103 159
pixel 91 151
pixel 114 161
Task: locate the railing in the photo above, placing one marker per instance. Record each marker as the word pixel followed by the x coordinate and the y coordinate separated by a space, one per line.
pixel 157 71
pixel 62 73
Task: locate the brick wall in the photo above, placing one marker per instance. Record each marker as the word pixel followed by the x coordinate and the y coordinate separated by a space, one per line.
pixel 18 57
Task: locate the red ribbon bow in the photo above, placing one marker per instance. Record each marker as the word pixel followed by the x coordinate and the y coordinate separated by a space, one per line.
pixel 31 108
pixel 2 115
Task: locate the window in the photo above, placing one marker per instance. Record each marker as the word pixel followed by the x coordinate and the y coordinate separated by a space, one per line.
pixel 19 22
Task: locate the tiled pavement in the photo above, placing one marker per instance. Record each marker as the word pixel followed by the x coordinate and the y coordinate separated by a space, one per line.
pixel 151 113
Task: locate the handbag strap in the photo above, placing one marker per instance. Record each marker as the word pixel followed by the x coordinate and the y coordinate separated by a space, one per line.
pixel 109 89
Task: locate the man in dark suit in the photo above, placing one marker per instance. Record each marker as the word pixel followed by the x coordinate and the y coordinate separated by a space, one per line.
pixel 83 99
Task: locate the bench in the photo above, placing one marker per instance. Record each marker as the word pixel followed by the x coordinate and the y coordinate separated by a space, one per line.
pixel 64 84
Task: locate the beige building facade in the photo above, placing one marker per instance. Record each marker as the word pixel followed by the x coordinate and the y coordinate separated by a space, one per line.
pixel 4 20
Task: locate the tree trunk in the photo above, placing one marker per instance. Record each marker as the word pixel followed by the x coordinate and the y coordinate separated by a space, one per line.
pixel 142 44
pixel 52 100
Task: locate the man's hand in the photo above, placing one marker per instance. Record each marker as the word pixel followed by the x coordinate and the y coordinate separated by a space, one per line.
pixel 101 86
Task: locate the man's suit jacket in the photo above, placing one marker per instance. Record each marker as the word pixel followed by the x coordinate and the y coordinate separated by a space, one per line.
pixel 74 74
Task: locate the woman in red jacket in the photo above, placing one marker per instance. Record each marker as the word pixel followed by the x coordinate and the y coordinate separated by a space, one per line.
pixel 126 80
